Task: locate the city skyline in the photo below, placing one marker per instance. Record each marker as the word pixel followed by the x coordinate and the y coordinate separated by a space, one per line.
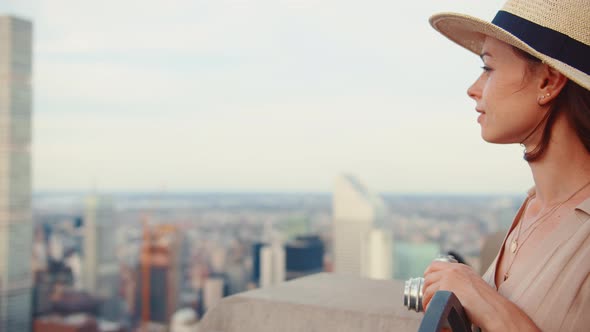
pixel 223 233
pixel 258 96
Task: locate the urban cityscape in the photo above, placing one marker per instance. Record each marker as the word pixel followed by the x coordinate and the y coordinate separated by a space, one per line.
pixel 157 261
pixel 92 253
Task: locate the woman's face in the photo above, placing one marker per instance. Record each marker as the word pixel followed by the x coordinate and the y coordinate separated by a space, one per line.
pixel 506 94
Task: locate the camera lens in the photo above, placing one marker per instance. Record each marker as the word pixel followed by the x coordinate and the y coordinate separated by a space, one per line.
pixel 413 288
pixel 413 294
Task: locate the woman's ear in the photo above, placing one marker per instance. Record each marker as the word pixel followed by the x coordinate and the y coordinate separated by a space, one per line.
pixel 550 85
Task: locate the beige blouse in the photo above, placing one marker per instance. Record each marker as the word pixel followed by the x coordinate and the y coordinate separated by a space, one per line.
pixel 553 289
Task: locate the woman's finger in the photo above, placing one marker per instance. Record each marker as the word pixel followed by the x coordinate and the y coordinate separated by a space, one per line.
pixel 431 278
pixel 437 266
pixel 431 285
pixel 428 293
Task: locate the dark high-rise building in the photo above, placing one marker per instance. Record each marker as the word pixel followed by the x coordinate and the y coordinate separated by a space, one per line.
pixel 256 248
pixel 305 256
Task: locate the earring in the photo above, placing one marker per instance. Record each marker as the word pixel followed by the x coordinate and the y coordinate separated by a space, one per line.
pixel 540 99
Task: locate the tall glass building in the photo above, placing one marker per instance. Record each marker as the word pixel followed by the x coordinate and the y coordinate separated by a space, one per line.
pixel 15 174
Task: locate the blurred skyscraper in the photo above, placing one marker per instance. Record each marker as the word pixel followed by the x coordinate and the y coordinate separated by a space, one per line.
pixel 272 258
pixel 100 269
pixel 377 252
pixel 16 38
pixel 159 276
pixel 256 249
pixel 304 256
pixel 213 291
pixel 358 250
pixel 272 264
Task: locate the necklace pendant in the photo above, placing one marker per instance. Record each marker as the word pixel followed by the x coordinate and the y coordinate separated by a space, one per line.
pixel 513 246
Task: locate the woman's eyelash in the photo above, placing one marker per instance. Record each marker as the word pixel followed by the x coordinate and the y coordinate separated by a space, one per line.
pixel 486 68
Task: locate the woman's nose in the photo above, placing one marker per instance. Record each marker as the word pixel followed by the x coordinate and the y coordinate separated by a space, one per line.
pixel 474 91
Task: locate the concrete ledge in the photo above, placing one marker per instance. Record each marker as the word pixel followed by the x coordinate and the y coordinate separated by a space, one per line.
pixel 322 302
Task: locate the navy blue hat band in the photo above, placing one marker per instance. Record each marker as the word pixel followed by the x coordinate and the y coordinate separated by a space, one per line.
pixel 549 42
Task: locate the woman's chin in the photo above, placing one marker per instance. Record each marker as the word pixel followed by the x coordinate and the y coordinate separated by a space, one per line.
pixel 496 139
pixel 490 138
pixel 486 136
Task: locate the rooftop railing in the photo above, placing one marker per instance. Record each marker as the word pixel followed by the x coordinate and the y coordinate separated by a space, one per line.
pixel 321 302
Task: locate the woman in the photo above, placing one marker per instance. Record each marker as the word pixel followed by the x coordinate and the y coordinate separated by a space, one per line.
pixel 534 90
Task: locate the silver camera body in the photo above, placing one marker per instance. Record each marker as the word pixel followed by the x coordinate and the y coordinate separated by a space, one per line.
pixel 413 288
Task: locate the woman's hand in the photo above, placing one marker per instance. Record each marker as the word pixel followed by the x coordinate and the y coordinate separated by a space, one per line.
pixel 483 305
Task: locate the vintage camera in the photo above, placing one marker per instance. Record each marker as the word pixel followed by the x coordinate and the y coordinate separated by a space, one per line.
pixel 413 288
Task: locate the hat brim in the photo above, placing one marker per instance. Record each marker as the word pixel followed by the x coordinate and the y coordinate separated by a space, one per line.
pixel 470 32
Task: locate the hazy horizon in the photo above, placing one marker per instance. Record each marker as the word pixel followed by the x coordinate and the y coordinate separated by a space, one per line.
pixel 260 192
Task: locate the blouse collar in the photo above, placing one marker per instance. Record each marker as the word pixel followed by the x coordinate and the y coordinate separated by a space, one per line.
pixel 582 209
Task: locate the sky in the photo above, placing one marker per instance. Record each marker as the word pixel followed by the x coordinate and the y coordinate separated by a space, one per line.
pixel 258 95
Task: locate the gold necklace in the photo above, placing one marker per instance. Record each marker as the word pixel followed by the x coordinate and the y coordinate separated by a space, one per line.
pixel 514 242
pixel 514 245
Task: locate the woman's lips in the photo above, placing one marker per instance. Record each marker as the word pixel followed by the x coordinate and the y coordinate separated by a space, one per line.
pixel 481 116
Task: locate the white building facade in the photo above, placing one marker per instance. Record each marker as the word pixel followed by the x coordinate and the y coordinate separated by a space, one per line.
pixel 359 248
pixel 377 254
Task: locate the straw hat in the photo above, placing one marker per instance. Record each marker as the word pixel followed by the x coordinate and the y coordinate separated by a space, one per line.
pixel 555 31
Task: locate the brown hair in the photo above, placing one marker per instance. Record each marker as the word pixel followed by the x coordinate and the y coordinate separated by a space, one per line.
pixel 574 100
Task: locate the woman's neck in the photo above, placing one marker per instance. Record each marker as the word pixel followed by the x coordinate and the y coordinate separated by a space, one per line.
pixel 564 168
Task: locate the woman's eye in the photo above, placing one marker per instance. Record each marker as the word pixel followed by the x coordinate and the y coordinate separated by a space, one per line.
pixel 486 68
